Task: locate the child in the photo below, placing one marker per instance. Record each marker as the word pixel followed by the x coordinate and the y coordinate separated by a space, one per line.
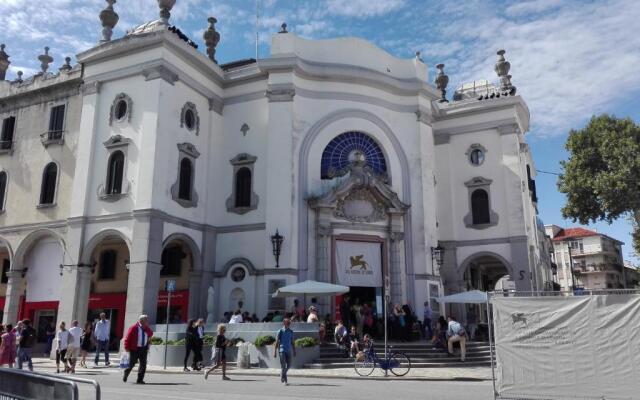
pixel 219 354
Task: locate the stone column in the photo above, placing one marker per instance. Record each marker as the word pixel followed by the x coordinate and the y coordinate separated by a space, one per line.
pixel 83 292
pixel 76 278
pixel 395 267
pixel 195 289
pixel 144 269
pixel 323 262
pixel 12 298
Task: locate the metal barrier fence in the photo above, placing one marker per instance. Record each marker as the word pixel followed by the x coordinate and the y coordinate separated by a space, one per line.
pixel 17 384
pixel 533 294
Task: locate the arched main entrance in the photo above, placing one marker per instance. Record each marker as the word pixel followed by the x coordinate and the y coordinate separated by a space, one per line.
pixel 178 261
pixel 109 254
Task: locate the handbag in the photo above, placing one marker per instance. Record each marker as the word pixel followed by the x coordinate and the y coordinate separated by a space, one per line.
pixel 125 359
pixel 214 354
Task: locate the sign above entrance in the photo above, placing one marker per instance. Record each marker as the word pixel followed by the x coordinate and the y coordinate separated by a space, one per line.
pixel 359 263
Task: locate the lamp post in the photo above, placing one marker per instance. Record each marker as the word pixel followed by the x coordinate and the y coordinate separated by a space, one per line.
pixel 437 255
pixel 276 244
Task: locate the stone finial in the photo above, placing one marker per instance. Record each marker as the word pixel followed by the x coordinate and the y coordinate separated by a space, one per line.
pixel 442 80
pixel 165 10
pixel 418 56
pixel 67 65
pixel 19 78
pixel 211 39
pixel 283 28
pixel 109 19
pixel 4 62
pixel 45 59
pixel 502 68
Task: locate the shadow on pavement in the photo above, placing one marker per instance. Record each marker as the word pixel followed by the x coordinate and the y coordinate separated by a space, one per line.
pixel 166 384
pixel 311 384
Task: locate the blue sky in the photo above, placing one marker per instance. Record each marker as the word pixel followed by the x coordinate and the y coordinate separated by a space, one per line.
pixel 570 59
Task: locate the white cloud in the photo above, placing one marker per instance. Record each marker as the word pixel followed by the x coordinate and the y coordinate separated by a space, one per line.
pixel 363 8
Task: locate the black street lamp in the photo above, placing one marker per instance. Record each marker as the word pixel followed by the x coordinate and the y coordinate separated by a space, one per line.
pixel 276 244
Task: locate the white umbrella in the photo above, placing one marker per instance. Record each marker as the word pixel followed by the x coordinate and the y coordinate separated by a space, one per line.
pixel 311 288
pixel 470 297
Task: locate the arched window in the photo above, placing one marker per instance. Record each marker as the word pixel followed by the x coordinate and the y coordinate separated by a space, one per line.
pixel 171 261
pixel 480 207
pixel 48 188
pixel 3 188
pixel 115 173
pixel 186 172
pixel 243 187
pixel 339 153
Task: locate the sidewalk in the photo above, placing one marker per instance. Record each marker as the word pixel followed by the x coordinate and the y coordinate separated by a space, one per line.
pixel 420 374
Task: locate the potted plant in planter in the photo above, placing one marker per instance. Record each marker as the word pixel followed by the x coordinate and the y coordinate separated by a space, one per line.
pixel 307 350
pixel 175 351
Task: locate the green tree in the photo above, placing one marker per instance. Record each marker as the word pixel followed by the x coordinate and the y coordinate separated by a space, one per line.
pixel 601 178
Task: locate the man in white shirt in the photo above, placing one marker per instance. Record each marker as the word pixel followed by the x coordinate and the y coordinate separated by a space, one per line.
pixel 102 333
pixel 73 351
pixel 456 333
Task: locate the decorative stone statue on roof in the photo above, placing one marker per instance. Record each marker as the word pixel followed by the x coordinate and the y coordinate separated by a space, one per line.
pixel 211 39
pixel 45 59
pixel 165 10
pixel 502 68
pixel 4 62
pixel 442 80
pixel 109 19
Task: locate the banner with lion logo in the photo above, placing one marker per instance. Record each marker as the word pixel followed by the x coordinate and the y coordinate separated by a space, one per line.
pixel 359 263
pixel 574 347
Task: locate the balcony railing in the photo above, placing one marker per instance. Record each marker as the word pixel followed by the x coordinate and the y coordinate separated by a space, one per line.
pixel 6 146
pixel 52 137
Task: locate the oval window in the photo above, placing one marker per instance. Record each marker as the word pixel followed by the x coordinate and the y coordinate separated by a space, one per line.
pixel 238 274
pixel 476 157
pixel 189 119
pixel 121 109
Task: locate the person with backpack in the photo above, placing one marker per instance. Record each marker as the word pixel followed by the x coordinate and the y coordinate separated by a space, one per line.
pixel 285 348
pixel 26 343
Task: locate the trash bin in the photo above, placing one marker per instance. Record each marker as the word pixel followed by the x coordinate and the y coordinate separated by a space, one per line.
pixel 243 356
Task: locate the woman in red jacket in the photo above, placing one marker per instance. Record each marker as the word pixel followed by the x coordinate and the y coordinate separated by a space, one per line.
pixel 136 342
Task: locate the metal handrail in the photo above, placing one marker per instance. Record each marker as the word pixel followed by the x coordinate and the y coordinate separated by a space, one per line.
pixel 67 380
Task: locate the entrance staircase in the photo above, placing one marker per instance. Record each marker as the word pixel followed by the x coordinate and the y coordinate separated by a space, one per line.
pixel 421 354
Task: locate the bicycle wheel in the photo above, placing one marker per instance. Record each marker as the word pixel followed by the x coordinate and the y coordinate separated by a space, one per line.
pixel 364 367
pixel 399 364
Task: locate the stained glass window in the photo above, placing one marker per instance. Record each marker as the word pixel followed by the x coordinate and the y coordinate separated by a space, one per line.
pixel 340 151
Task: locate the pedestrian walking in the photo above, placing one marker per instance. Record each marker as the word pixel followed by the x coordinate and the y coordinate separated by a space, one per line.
pixel 73 351
pixel 61 345
pixel 8 347
pixel 86 342
pixel 197 351
pixel 25 344
pixel 136 342
pixel 427 330
pixel 219 354
pixel 51 335
pixel 102 334
pixel 285 348
pixel 456 333
pixel 189 343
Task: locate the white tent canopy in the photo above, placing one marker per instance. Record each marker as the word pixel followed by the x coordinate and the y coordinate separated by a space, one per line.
pixel 470 297
pixel 311 288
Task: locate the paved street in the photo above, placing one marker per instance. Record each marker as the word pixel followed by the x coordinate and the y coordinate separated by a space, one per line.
pixel 194 387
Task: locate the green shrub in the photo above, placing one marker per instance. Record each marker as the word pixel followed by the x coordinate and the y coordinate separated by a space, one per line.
pixel 208 340
pixel 156 340
pixel 179 342
pixel 306 342
pixel 264 341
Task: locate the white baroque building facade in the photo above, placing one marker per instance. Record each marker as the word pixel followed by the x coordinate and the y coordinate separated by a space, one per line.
pixel 148 161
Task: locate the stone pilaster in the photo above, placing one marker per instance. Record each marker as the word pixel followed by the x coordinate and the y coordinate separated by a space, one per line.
pixel 15 287
pixel 144 269
pixel 195 290
pixel 395 267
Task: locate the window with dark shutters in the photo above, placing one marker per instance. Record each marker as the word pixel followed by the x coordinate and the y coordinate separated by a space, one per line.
pixel 3 188
pixel 115 173
pixel 8 128
pixel 243 188
pixel 48 189
pixel 56 122
pixel 186 170
pixel 480 207
pixel 107 269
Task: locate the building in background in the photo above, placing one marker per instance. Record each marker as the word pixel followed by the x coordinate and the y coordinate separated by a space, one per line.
pixel 329 160
pixel 596 258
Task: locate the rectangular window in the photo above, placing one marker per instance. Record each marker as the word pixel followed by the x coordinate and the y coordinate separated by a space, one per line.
pixel 172 261
pixel 8 128
pixel 5 270
pixel 108 259
pixel 275 303
pixel 56 122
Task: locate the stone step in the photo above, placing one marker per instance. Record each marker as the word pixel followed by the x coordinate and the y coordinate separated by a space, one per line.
pixel 413 359
pixel 450 364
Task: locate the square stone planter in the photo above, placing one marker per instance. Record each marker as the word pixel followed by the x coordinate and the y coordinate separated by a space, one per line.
pixel 263 356
pixel 175 355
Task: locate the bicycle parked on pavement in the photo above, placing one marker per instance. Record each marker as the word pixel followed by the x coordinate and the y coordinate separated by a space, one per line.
pixel 366 361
